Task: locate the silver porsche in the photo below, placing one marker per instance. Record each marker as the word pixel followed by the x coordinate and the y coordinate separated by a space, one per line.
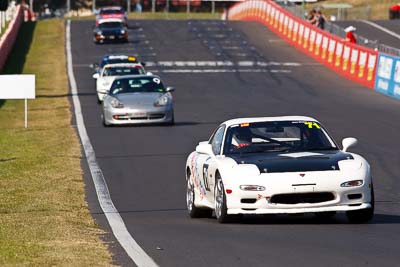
pixel 138 99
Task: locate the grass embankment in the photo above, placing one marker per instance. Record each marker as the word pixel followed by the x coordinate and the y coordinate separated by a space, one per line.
pixel 3 30
pixel 44 219
pixel 379 8
pixel 163 15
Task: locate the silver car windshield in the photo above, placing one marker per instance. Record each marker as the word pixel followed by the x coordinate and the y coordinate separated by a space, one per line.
pixel 278 136
pixel 137 85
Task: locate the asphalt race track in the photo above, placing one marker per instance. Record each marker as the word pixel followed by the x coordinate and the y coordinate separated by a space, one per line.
pixel 144 165
pixel 375 34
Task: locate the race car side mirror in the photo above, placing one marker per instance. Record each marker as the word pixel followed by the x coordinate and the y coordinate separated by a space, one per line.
pixel 96 76
pixel 204 148
pixel 170 89
pixel 349 142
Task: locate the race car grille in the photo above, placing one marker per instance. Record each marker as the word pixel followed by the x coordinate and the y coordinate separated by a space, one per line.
pixel 298 198
pixel 144 117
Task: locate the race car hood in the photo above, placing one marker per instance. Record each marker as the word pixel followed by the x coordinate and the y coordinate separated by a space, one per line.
pixel 294 162
pixel 139 100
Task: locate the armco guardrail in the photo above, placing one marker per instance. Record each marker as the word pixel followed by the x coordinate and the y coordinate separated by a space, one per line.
pixel 354 62
pixel 9 37
pixel 388 75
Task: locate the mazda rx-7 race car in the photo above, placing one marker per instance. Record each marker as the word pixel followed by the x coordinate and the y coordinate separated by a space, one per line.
pixel 277 165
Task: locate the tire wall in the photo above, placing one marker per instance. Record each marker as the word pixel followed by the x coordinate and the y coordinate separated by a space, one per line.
pixel 352 61
pixel 8 38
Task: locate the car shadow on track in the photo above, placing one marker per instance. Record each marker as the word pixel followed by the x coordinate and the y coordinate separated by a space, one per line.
pixel 64 95
pixel 311 219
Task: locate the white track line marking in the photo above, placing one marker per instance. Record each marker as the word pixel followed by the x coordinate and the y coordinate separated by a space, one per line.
pixel 121 233
pixel 220 64
pixel 220 71
pixel 382 28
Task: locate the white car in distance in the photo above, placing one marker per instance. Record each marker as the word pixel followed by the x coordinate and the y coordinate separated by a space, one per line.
pixel 109 72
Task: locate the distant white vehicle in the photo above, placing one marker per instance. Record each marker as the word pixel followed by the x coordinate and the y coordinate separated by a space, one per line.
pixel 277 165
pixel 109 72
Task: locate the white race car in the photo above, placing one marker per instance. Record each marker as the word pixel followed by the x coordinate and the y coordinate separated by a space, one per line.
pixel 109 72
pixel 277 165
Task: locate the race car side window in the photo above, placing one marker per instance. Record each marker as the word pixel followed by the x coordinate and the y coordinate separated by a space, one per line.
pixel 216 140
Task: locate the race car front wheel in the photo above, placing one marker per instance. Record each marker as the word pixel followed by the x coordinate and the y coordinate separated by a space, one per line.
pixel 221 210
pixel 194 212
pixel 363 215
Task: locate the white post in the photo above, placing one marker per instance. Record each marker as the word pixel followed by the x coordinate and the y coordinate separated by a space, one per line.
pixel 94 6
pixel 187 6
pixel 26 113
pixel 213 7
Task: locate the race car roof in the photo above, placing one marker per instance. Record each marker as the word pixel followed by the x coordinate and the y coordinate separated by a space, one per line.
pixel 261 119
pixel 122 58
pixel 100 21
pixel 112 8
pixel 133 65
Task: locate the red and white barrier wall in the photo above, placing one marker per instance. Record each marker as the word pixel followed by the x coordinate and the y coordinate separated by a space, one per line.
pixel 355 62
pixel 8 38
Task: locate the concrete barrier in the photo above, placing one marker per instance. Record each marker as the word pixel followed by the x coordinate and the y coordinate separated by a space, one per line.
pixel 352 61
pixel 8 39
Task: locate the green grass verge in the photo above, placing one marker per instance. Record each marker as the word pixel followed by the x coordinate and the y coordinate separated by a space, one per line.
pixel 163 15
pixel 44 218
pixel 4 28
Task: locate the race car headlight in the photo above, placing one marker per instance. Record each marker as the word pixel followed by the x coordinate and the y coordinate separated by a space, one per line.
pixel 162 101
pixel 99 33
pixel 115 103
pixel 352 183
pixel 252 188
pixel 123 31
pixel 106 84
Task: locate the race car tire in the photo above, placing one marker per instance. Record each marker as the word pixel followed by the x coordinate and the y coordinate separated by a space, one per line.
pixel 103 119
pixel 172 122
pixel 194 212
pixel 221 210
pixel 363 215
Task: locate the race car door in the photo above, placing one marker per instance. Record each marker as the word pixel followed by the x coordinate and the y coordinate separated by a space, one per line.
pixel 210 164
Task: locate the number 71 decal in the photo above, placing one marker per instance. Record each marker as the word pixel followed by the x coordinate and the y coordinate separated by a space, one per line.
pixel 312 124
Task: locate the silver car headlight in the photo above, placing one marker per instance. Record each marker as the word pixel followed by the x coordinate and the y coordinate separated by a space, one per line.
pixel 162 101
pixel 352 183
pixel 115 103
pixel 252 187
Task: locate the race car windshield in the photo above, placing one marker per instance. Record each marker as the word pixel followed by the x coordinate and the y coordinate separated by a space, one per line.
pixel 110 25
pixel 280 136
pixel 115 61
pixel 137 85
pixel 121 71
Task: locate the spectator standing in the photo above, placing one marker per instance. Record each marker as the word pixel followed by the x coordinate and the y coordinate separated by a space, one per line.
pixel 321 20
pixel 350 34
pixel 312 17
